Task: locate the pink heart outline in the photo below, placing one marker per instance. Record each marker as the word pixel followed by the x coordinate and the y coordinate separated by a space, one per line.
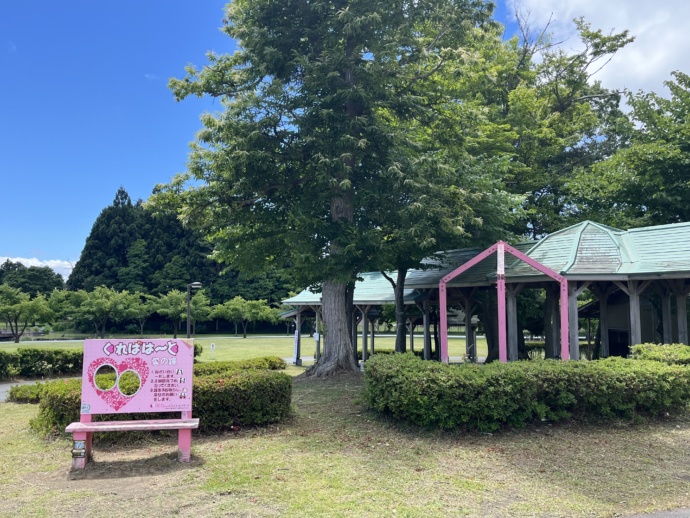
pixel 113 396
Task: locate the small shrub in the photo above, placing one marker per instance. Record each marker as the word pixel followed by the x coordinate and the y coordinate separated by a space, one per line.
pixel 672 354
pixel 9 365
pixel 25 393
pixel 198 349
pixel 59 406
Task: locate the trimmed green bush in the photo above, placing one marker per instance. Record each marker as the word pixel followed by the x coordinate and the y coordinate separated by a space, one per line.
pixel 25 393
pixel 59 406
pixel 419 353
pixel 672 354
pixel 9 365
pixel 251 397
pixel 488 397
pixel 37 362
pixel 266 362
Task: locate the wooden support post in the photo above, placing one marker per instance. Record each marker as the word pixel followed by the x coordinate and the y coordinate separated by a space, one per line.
pixel 512 321
pixel 501 287
pixel 604 324
pixel 634 289
pixel 635 321
pixel 667 324
pixel 297 360
pixel 565 318
pixel 411 328
pixel 470 345
pixel 681 313
pixel 443 318
pixel 353 335
pixel 317 310
pixel 373 325
pixel 427 329
pixel 365 331
pixel 550 338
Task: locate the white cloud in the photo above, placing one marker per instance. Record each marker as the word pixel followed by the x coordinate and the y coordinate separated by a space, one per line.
pixel 151 77
pixel 11 47
pixel 64 268
pixel 661 45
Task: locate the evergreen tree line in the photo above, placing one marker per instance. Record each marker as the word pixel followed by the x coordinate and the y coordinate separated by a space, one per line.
pixel 131 248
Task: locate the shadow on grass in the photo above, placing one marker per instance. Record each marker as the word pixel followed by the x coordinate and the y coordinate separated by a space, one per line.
pixel 161 464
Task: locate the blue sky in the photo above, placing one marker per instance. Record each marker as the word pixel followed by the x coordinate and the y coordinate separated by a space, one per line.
pixel 85 106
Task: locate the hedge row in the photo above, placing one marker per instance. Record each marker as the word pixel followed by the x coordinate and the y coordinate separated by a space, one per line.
pixel 487 397
pixel 267 362
pixel 671 354
pixel 37 363
pixel 42 362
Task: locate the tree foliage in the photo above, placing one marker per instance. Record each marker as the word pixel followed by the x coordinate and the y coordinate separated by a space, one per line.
pixel 646 183
pixel 32 279
pixel 19 309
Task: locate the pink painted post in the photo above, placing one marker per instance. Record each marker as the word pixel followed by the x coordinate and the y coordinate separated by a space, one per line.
pixel 501 286
pixel 442 295
pixel 444 321
pixel 565 332
pixel 184 441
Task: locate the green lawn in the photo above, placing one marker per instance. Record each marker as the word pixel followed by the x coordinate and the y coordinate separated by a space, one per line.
pixel 335 458
pixel 236 348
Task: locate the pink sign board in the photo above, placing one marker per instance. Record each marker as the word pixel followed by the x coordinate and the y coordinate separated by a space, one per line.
pixel 164 368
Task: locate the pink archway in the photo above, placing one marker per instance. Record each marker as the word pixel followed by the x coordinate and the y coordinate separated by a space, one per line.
pixel 500 248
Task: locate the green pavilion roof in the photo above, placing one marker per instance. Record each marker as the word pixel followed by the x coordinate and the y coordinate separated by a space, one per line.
pixel 586 251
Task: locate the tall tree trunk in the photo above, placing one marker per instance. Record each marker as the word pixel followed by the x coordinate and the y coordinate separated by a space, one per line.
pixel 337 354
pixel 489 317
pixel 400 322
pixel 244 328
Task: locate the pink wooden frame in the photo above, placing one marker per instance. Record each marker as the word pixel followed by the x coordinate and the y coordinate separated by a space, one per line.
pixel 500 248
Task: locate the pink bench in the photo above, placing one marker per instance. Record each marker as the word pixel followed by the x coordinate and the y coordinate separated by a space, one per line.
pixel 164 369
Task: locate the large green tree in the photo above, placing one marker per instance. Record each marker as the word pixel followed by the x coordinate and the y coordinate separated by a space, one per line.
pixel 647 183
pixel 314 132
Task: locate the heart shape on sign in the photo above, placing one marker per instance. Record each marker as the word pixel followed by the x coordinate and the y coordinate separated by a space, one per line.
pixel 113 396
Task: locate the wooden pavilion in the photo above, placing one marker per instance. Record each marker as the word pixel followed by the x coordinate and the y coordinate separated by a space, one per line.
pixel 644 272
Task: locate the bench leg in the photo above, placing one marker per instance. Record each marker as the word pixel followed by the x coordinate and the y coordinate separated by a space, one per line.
pixel 184 445
pixel 80 462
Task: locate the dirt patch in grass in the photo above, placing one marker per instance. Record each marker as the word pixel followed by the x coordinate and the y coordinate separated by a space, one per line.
pixel 335 458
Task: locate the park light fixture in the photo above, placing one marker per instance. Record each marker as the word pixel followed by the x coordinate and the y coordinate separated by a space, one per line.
pixel 190 287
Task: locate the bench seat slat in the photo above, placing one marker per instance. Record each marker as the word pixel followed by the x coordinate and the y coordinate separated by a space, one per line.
pixel 128 426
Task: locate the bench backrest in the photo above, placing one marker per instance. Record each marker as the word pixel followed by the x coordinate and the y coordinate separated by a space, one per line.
pixel 164 368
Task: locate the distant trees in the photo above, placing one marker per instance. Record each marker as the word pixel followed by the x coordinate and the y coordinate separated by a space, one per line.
pixel 132 248
pixel 18 310
pixel 30 279
pixel 240 311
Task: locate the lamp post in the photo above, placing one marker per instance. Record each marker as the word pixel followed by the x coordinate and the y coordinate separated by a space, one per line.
pixel 190 287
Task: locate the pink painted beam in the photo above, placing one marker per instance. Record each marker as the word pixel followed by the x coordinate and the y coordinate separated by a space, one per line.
pixel 502 247
pixel 444 321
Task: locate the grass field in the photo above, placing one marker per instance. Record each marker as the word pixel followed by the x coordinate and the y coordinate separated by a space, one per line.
pixel 334 458
pixel 235 348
